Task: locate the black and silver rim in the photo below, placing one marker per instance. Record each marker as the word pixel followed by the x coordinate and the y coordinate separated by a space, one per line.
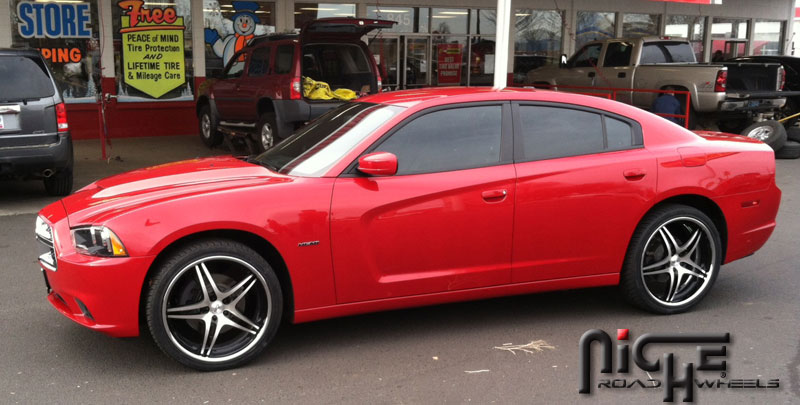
pixel 678 261
pixel 266 136
pixel 205 126
pixel 761 133
pixel 216 308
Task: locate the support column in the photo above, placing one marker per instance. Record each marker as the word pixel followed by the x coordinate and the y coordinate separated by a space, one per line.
pixel 5 24
pixel 198 40
pixel 502 43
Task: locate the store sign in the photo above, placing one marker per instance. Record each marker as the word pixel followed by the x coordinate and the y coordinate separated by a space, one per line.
pixel 62 55
pixel 449 61
pixel 152 48
pixel 54 20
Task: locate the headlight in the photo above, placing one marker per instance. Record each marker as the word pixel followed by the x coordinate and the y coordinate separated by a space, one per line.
pixel 97 241
pixel 43 230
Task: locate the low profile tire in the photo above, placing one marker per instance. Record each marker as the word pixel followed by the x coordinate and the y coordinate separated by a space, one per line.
pixel 209 125
pixel 793 134
pixel 214 304
pixel 672 260
pixel 790 150
pixel 60 183
pixel 770 132
pixel 266 131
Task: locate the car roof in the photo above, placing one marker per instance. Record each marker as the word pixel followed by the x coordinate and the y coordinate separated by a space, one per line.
pixel 411 97
pixel 19 51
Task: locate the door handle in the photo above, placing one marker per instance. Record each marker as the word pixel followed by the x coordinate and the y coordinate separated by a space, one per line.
pixel 621 75
pixel 591 74
pixel 492 195
pixel 634 174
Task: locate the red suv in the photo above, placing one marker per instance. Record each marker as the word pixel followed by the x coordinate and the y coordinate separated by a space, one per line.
pixel 260 91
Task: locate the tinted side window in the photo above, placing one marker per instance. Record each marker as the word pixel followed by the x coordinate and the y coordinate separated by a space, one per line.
pixel 445 140
pixel 259 64
pixel 619 134
pixel 550 132
pixel 284 59
pixel 618 54
pixel 587 56
pixel 236 66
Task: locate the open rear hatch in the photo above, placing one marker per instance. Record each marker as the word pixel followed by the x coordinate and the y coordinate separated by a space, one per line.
pixel 339 28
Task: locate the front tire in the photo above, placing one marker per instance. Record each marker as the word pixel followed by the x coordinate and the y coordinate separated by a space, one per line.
pixel 672 260
pixel 214 304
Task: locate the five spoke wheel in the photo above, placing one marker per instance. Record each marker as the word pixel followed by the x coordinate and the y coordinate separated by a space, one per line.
pixel 215 305
pixel 672 260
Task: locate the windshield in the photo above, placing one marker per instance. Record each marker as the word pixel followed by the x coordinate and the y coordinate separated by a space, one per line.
pixel 315 148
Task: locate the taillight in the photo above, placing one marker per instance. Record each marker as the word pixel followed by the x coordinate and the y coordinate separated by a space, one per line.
pixel 61 117
pixel 294 90
pixel 722 79
pixel 783 78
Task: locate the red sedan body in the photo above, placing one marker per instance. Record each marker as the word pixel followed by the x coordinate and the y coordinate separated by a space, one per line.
pixel 345 245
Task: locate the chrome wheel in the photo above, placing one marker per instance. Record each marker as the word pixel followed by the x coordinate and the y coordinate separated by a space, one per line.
pixel 761 133
pixel 216 308
pixel 678 261
pixel 266 136
pixel 205 126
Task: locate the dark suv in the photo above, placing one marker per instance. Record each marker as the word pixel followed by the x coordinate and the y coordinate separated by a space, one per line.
pixel 34 134
pixel 260 92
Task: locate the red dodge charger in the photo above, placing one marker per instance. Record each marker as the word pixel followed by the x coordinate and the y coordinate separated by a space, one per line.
pixel 405 199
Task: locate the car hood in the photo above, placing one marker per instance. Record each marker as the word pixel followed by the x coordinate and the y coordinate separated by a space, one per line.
pixel 115 194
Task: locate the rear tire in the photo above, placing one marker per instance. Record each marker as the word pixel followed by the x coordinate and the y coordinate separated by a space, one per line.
pixel 214 304
pixel 790 150
pixel 672 260
pixel 770 132
pixel 60 183
pixel 209 125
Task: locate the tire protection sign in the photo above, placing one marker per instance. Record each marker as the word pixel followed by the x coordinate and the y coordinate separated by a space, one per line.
pixel 153 55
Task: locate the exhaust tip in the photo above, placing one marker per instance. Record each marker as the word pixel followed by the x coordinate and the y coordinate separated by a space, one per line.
pixel 48 172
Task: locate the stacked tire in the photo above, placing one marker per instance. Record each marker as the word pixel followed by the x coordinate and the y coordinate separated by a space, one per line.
pixel 773 133
pixel 790 149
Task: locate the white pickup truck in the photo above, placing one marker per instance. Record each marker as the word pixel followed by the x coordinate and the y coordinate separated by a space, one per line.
pixel 659 63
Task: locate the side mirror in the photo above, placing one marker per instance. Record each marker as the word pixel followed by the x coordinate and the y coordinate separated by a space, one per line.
pixel 378 164
pixel 563 62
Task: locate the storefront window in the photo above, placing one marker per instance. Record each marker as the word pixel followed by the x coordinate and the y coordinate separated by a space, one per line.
pixel 728 38
pixel 538 40
pixel 592 25
pixel 767 37
pixel 67 35
pixel 307 12
pixel 481 61
pixel 409 19
pixel 483 22
pixel 449 21
pixel 153 50
pixel 640 25
pixel 687 27
pixel 230 25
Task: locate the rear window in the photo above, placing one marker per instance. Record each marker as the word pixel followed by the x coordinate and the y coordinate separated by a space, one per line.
pixel 667 52
pixel 23 78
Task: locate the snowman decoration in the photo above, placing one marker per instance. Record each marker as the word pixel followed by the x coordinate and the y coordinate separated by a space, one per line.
pixel 244 22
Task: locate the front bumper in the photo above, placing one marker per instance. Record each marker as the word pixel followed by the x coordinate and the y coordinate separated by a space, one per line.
pixel 97 292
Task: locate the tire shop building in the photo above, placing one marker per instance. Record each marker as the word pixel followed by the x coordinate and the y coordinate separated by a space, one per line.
pixel 146 59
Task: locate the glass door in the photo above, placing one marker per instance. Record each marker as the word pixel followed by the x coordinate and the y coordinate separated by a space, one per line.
pixel 387 55
pixel 416 60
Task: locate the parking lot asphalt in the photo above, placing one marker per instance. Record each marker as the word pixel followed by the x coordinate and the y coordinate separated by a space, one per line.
pixel 452 353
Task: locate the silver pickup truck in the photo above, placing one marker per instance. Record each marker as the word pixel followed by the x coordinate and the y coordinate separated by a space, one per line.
pixel 660 63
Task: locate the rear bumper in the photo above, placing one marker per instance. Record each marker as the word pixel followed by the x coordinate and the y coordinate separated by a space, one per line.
pixel 770 104
pixel 27 160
